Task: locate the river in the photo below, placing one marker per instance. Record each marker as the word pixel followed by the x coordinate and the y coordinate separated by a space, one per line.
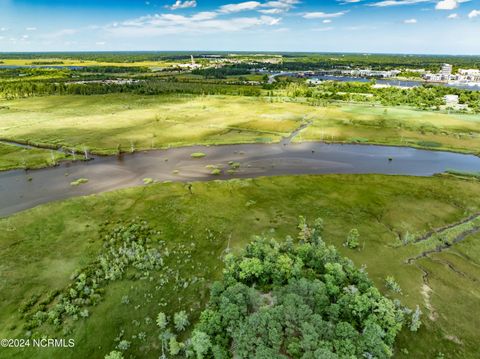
pixel 20 189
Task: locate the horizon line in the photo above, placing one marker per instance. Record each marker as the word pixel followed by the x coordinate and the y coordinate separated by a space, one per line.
pixel 365 53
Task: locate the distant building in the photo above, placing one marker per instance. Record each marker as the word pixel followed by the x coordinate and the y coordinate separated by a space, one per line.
pixel 446 71
pixel 469 75
pixel 432 77
pixel 451 100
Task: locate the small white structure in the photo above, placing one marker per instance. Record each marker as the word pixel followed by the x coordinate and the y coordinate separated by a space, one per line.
pixel 451 100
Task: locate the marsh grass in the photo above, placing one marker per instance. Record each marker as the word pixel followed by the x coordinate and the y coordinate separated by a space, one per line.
pixel 107 124
pixel 198 155
pixel 43 246
pixel 78 182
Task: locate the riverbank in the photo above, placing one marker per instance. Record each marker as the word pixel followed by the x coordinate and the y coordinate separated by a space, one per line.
pixel 14 157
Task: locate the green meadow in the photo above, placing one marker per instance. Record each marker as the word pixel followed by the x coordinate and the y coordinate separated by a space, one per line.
pixel 197 224
pixel 14 157
pixel 108 124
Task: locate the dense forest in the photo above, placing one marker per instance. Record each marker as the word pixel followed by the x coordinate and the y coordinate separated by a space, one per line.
pixel 223 72
pixel 11 90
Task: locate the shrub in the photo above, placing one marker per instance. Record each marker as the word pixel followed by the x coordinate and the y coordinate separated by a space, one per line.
pixel 180 320
pixel 392 285
pixel 415 321
pixel 352 241
pixel 162 320
pixel 123 345
pixel 114 355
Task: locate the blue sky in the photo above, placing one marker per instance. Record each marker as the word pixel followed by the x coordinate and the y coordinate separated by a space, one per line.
pixel 386 26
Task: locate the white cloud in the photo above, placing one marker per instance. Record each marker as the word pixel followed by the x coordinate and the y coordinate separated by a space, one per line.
pixel 327 21
pixel 279 6
pixel 453 16
pixel 219 20
pixel 323 15
pixel 243 6
pixel 473 14
pixel 2 29
pixel 273 11
pixel 100 43
pixel 204 15
pixel 386 3
pixel 31 29
pixel 449 4
pixel 179 4
pixel 203 22
pixel 410 21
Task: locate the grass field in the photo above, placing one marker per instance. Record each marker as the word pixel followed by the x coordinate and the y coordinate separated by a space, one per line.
pixel 396 126
pixel 86 63
pixel 12 157
pixel 107 124
pixel 42 247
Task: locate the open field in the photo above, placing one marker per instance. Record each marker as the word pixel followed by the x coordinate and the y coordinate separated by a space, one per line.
pixel 83 63
pixel 12 157
pixel 42 247
pixel 396 126
pixel 107 124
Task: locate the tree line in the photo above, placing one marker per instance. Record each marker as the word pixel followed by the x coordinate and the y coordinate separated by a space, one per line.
pixel 20 89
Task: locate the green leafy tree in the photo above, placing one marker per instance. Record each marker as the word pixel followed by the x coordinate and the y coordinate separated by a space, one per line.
pixel 415 322
pixel 114 355
pixel 200 343
pixel 162 320
pixel 180 321
pixel 174 346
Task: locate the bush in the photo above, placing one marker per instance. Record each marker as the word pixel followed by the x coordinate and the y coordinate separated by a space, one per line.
pixel 123 345
pixel 392 285
pixel 114 355
pixel 352 241
pixel 162 320
pixel 181 321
